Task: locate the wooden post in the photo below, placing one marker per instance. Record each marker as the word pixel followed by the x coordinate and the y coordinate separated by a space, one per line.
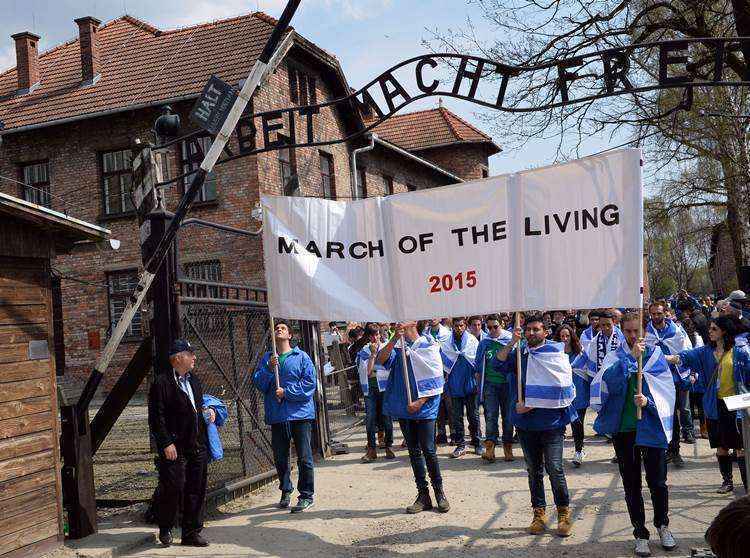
pixel 639 376
pixel 405 367
pixel 273 351
pixel 519 375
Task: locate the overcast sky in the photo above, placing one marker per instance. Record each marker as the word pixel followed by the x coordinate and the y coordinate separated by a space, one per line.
pixel 368 36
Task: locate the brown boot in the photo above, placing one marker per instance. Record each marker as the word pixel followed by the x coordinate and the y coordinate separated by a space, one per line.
pixel 508 452
pixel 539 523
pixel 389 453
pixel 564 523
pixel 489 451
pixel 370 456
pixel 381 439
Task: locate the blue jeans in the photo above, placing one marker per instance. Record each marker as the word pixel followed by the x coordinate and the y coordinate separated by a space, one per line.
pixel 281 435
pixel 472 414
pixel 543 449
pixel 420 439
pixel 374 417
pixel 496 406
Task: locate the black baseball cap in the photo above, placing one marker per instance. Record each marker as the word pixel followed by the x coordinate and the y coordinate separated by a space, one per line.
pixel 179 346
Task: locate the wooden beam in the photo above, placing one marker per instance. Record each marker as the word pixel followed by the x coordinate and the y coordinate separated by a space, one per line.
pixel 42 496
pixel 25 445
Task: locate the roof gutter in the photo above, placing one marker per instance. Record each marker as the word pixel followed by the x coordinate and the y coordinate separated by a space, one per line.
pixel 417 159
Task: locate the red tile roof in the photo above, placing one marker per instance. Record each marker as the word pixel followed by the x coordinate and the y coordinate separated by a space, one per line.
pixel 415 131
pixel 140 65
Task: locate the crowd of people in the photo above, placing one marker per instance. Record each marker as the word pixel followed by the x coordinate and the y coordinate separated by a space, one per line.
pixel 694 353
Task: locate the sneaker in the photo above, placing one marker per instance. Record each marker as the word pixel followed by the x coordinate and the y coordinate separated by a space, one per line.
pixel 727 487
pixel 678 461
pixel 667 540
pixel 460 451
pixel 302 505
pixel 422 503
pixel 478 450
pixel 641 547
pixel 578 458
pixel 286 499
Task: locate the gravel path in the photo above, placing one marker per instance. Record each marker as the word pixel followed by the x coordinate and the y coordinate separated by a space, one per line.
pixel 359 511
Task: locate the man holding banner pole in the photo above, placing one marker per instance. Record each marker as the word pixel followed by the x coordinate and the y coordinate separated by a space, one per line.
pixel 540 415
pixel 412 396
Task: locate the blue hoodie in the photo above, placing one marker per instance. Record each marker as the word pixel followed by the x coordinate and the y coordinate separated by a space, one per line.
pixel 649 430
pixel 395 402
pixel 536 419
pixel 703 362
pixel 297 377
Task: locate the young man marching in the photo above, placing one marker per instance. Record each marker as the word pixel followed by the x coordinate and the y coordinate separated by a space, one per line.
pixel 439 333
pixel 459 353
pixel 671 339
pixel 638 441
pixel 290 410
pixel 373 379
pixel 417 420
pixel 493 387
pixel 541 418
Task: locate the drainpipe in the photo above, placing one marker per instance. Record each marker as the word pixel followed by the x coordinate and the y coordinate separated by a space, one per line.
pixel 353 165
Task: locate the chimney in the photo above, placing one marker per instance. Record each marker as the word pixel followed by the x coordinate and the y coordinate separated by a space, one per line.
pixel 27 60
pixel 87 30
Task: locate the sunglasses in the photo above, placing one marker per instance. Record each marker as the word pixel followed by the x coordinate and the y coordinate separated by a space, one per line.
pixel 493 326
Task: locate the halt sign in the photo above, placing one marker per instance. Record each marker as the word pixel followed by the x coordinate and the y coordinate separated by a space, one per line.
pixel 214 104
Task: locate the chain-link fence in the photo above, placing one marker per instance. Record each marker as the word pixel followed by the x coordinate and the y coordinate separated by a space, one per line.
pixel 342 393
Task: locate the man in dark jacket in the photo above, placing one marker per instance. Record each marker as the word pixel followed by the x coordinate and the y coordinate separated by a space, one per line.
pixel 176 420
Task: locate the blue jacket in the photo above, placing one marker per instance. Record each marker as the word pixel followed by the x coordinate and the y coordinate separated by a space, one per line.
pixel 649 431
pixel 583 388
pixel 395 401
pixel 703 362
pixel 461 381
pixel 297 377
pixel 215 449
pixel 536 419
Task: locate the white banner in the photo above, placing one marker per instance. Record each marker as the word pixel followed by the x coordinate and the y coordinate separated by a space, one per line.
pixel 563 236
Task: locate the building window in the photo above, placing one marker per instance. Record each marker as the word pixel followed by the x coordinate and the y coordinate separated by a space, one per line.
pixel 411 187
pixel 326 176
pixel 205 271
pixel 388 180
pixel 120 286
pixel 360 189
pixel 36 183
pixel 288 173
pixel 302 87
pixel 193 151
pixel 117 180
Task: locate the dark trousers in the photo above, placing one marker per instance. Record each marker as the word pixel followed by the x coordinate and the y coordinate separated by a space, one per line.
pixel 543 449
pixel 472 414
pixel 496 410
pixel 696 405
pixel 682 421
pixel 182 484
pixel 281 435
pixel 374 419
pixel 577 427
pixel 420 439
pixel 445 417
pixel 629 459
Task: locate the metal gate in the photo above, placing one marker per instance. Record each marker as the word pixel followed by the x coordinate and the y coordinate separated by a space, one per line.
pixel 228 327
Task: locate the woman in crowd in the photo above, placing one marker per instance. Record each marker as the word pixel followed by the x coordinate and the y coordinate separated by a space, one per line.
pixel 724 370
pixel 582 382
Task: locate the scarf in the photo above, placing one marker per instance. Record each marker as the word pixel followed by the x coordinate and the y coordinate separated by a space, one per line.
pixel 549 377
pixel 381 373
pixel 671 340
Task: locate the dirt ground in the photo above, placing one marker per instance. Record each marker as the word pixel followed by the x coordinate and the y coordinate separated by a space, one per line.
pixel 359 511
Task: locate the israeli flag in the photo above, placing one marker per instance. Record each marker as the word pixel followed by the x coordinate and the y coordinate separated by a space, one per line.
pixel 672 340
pixel 656 375
pixel 427 367
pixel 549 377
pixel 450 352
pixel 381 373
pixel 584 365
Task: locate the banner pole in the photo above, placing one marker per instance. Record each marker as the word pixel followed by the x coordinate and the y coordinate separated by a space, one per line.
pixel 639 374
pixel 519 376
pixel 405 368
pixel 275 354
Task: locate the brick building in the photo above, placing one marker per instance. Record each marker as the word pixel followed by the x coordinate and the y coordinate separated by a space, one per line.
pixel 70 118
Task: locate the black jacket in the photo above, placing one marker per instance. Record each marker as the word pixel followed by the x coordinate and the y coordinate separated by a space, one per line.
pixel 171 416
